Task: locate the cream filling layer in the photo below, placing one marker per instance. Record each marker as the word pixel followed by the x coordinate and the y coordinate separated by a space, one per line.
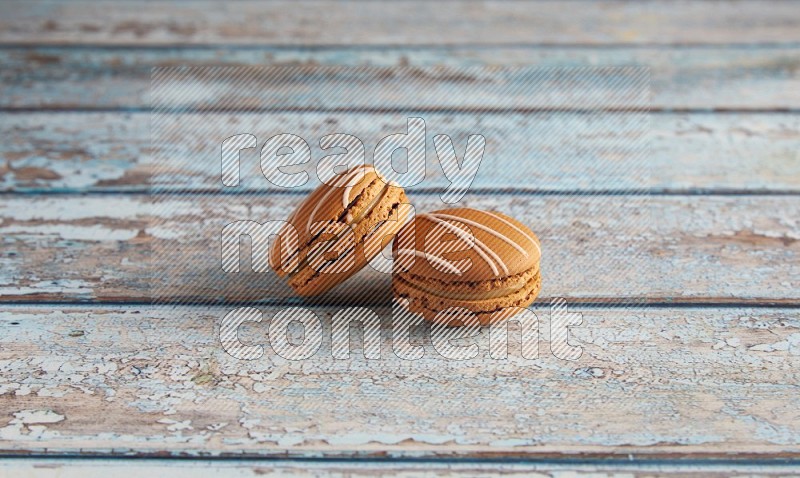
pixel 468 296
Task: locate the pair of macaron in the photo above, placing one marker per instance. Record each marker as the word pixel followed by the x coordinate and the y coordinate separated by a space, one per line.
pixel 448 264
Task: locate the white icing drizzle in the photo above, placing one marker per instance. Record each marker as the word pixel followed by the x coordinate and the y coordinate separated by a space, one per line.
pixel 511 225
pixel 491 231
pixel 341 181
pixel 482 248
pixel 442 262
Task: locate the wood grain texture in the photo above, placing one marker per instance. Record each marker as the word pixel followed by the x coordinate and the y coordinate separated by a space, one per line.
pixel 314 88
pixel 400 22
pixel 134 468
pixel 672 248
pixel 83 152
pixel 651 382
pixel 681 78
pixel 698 388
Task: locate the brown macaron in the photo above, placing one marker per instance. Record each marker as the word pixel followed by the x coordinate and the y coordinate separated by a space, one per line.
pixel 341 226
pixel 481 261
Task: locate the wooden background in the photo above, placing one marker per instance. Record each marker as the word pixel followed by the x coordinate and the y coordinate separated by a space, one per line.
pixel 704 378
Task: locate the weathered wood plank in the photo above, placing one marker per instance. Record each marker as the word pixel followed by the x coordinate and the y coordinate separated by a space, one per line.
pixel 312 88
pixel 400 22
pixel 77 152
pixel 134 468
pixel 696 248
pixel 695 78
pixel 651 382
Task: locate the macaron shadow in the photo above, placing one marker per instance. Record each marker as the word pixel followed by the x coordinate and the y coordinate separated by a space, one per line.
pixel 367 287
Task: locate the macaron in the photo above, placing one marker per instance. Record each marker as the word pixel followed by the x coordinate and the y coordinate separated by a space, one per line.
pixel 341 226
pixel 463 259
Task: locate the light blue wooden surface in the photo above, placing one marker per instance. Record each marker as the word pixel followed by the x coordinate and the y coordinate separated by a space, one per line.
pixel 682 78
pixel 705 370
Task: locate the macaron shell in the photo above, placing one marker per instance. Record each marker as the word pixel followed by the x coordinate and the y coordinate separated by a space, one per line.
pixel 508 240
pixel 326 203
pixel 373 205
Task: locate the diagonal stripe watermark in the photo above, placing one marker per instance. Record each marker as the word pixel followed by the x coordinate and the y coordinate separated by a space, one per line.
pixel 237 148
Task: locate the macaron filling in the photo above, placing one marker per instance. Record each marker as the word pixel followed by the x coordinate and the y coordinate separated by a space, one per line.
pixel 481 290
pixel 467 292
